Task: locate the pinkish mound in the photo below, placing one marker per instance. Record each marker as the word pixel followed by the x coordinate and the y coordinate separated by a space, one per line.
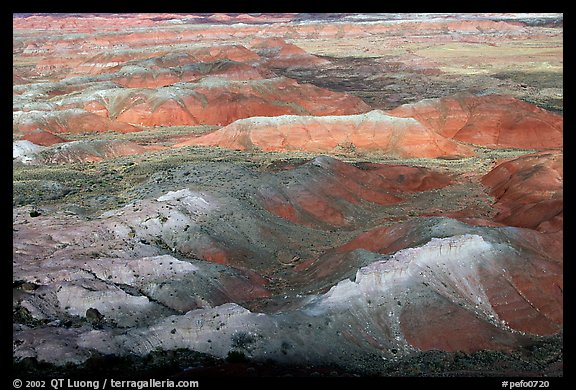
pixel 97 150
pixel 159 74
pixel 110 62
pixel 218 101
pixel 42 137
pixel 337 189
pixel 67 121
pixel 510 296
pixel 373 131
pixel 280 54
pixel 492 120
pixel 54 65
pixel 236 53
pixel 529 191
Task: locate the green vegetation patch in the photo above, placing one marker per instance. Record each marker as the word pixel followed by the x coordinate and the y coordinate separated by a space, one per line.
pixel 33 191
pixel 147 136
pixel 534 79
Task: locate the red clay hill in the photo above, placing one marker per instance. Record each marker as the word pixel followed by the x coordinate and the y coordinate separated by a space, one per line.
pixel 331 191
pixel 528 191
pixel 495 121
pixel 433 128
pixel 203 85
pixel 373 131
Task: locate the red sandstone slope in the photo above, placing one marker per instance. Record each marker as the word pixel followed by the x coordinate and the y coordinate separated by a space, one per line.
pixel 201 85
pixel 329 192
pixel 77 60
pixel 72 121
pixel 95 150
pixel 106 62
pixel 213 85
pixel 220 102
pixel 280 54
pixel 211 100
pixel 528 191
pixel 217 101
pixel 159 73
pixel 42 137
pixel 513 297
pixel 373 131
pixel 491 120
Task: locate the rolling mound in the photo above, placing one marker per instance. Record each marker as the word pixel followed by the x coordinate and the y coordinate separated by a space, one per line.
pixel 373 131
pixel 280 54
pixel 528 191
pixel 91 151
pixel 211 100
pixel 326 191
pixel 73 120
pixel 495 121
